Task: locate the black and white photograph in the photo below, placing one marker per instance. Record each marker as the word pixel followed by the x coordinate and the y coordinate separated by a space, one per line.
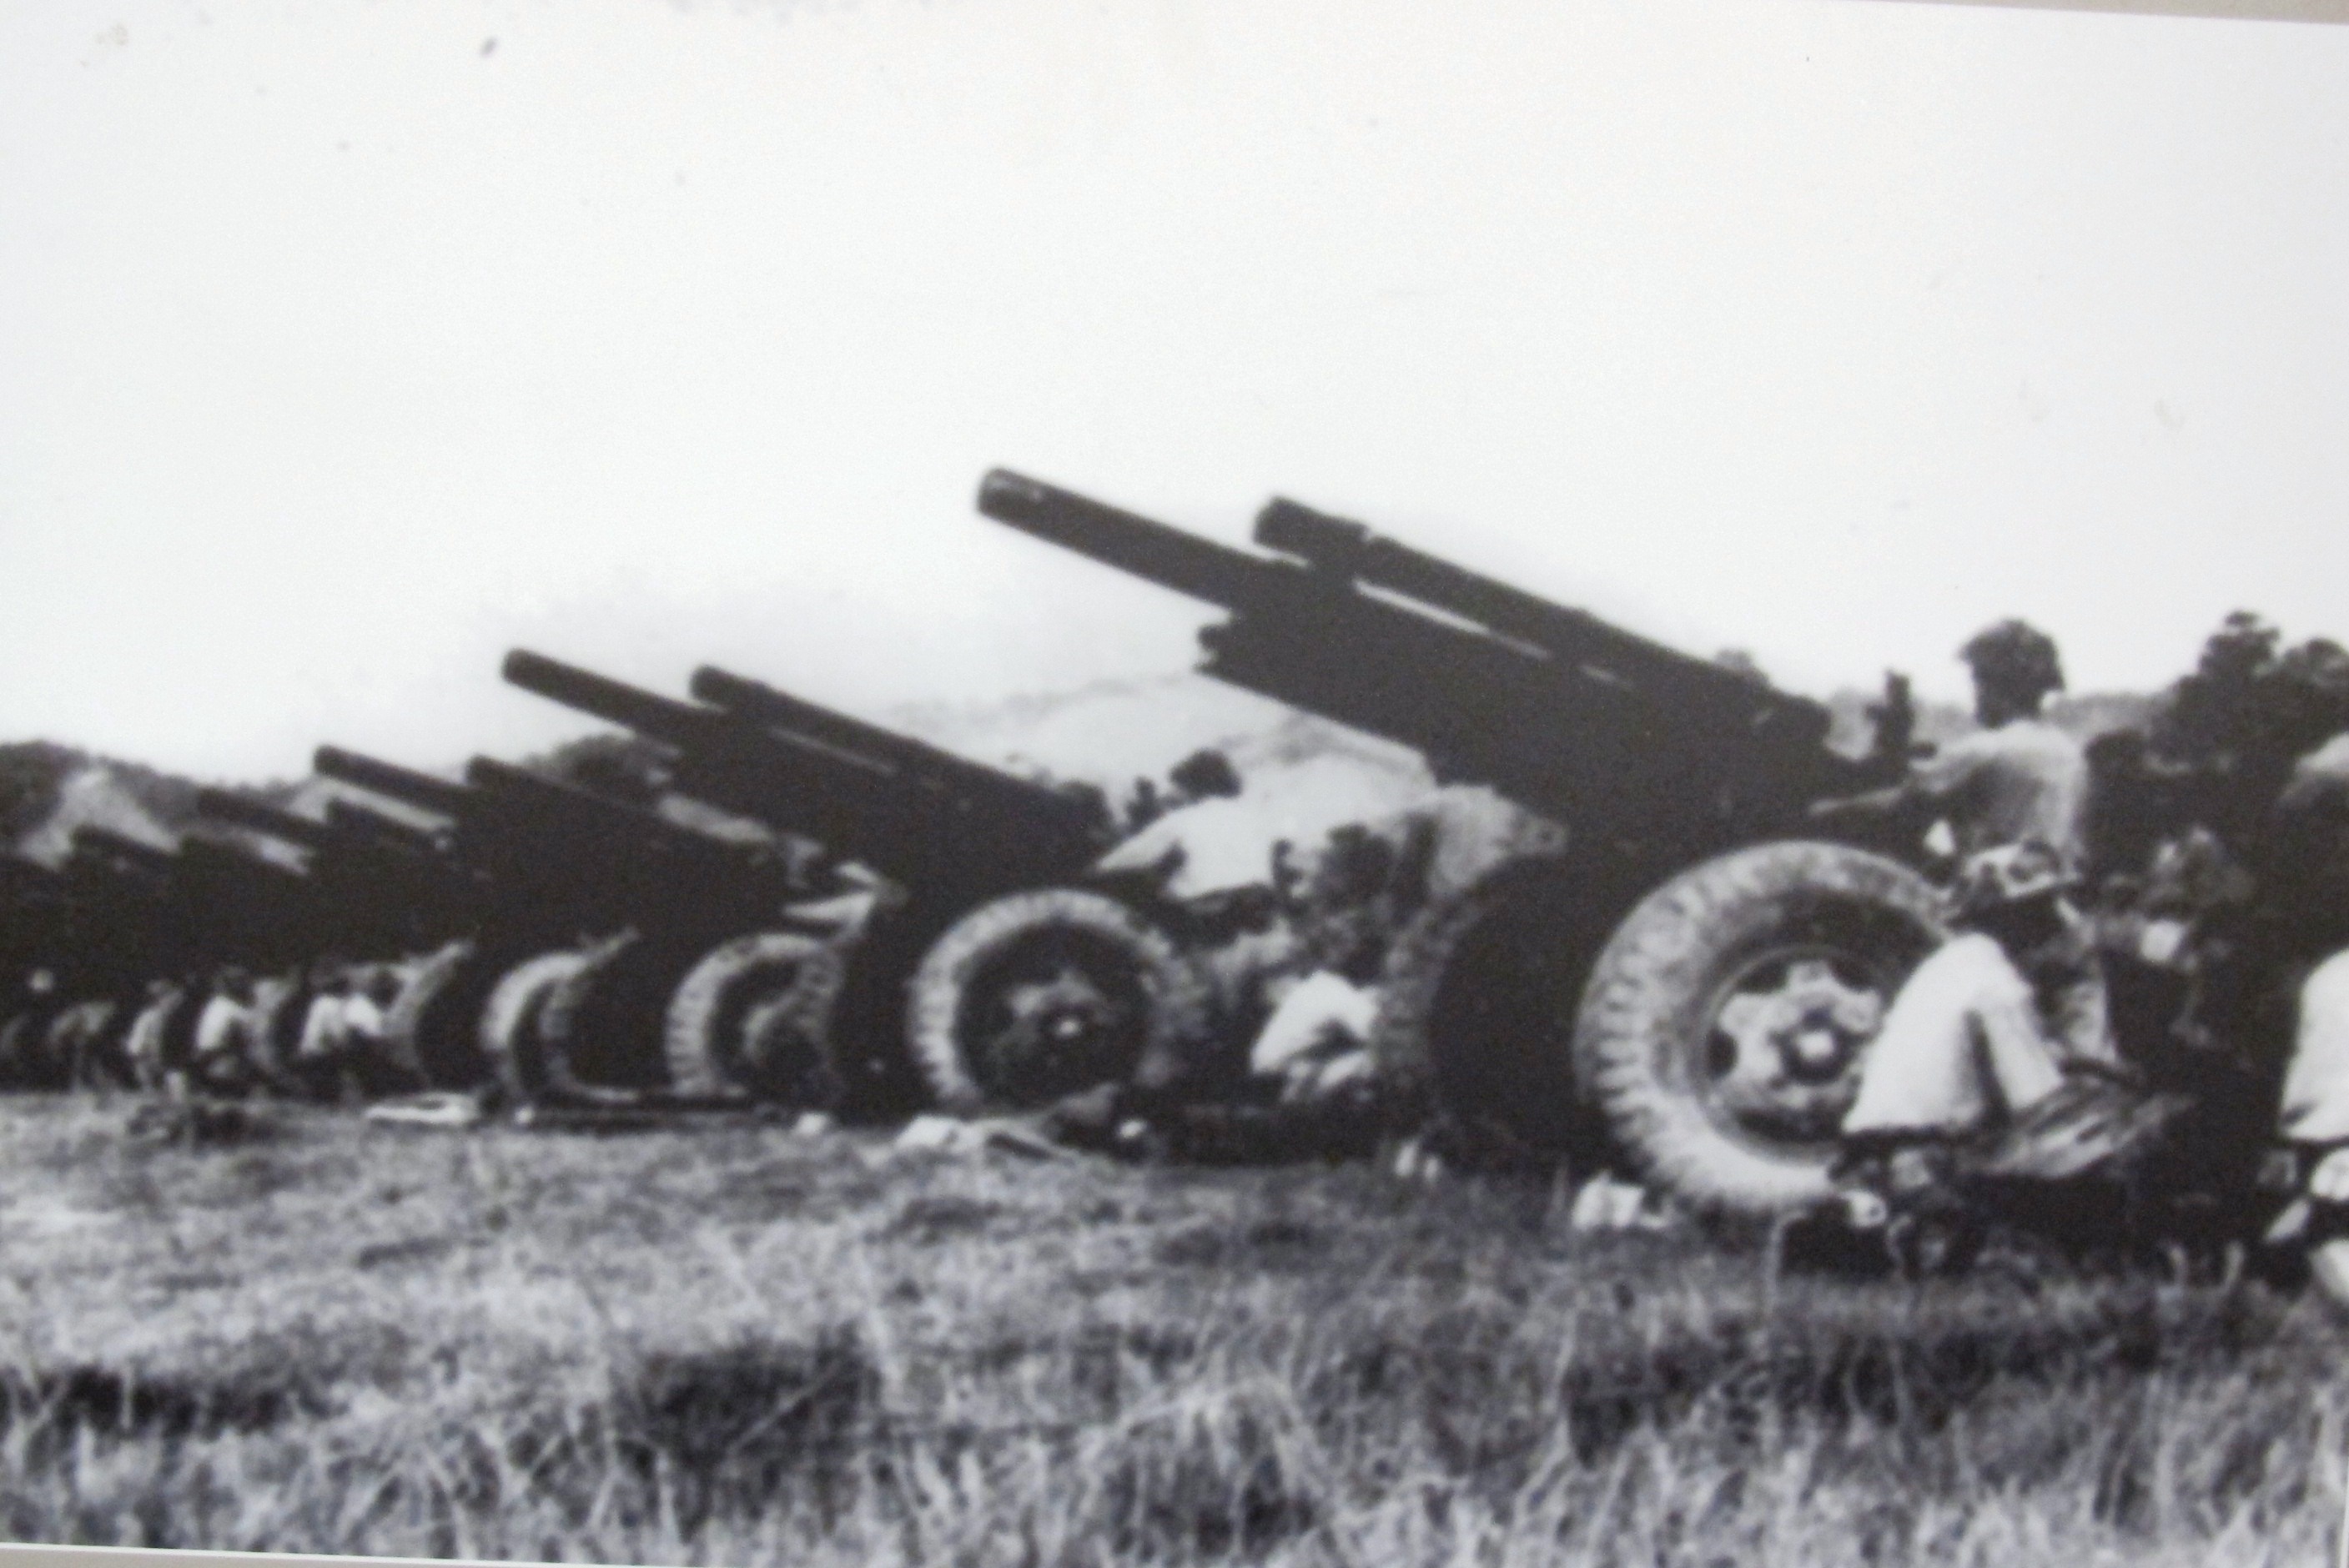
pixel 1028 783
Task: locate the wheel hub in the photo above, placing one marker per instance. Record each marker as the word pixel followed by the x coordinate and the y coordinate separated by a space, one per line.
pixel 1051 1025
pixel 1783 1056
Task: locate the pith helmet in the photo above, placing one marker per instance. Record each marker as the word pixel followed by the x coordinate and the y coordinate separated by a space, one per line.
pixel 2016 657
pixel 2008 875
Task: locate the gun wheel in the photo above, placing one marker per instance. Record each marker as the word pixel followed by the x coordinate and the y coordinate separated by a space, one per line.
pixel 1722 1029
pixel 23 1063
pixel 1476 1004
pixel 752 1019
pixel 86 1042
pixel 511 1023
pixel 432 1030
pixel 281 1005
pixel 599 1031
pixel 1040 994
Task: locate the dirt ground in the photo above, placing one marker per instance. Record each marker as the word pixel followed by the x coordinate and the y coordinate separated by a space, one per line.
pixel 721 1342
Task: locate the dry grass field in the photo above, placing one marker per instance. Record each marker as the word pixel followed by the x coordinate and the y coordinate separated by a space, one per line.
pixel 726 1344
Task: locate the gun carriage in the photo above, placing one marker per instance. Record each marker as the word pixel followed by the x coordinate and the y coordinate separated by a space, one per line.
pixel 1692 978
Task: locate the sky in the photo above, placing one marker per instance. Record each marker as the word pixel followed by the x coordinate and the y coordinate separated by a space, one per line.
pixel 345 345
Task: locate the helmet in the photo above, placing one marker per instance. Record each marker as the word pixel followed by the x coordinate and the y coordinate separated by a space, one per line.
pixel 2015 656
pixel 2008 875
pixel 1206 774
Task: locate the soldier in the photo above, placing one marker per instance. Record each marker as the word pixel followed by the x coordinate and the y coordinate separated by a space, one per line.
pixel 145 1045
pixel 2258 1052
pixel 343 1028
pixel 2018 776
pixel 223 1059
pixel 318 1055
pixel 2297 943
pixel 1988 1027
pixel 365 1010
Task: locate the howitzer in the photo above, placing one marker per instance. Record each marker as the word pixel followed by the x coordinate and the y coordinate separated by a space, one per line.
pixel 515 864
pixel 382 885
pixel 990 980
pixel 209 902
pixel 250 909
pixel 439 795
pixel 1692 974
pixel 1581 641
pixel 346 827
pixel 1573 718
pixel 526 866
pixel 376 827
pixel 237 811
pixel 716 880
pixel 903 811
pixel 557 865
pixel 973 789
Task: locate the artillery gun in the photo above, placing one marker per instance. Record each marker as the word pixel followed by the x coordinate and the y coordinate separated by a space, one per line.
pixel 385 888
pixel 581 914
pixel 199 906
pixel 153 931
pixel 1693 977
pixel 987 973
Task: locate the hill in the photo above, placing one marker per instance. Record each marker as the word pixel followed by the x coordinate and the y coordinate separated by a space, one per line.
pixel 46 790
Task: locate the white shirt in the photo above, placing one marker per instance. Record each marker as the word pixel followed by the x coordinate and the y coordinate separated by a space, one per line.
pixel 220 1026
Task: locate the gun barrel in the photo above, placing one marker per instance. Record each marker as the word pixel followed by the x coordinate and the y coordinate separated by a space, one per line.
pixel 669 857
pixel 568 806
pixel 675 722
pixel 237 811
pixel 984 787
pixel 392 780
pixel 746 698
pixel 1200 568
pixel 857 806
pixel 373 827
pixel 1348 549
pixel 1556 708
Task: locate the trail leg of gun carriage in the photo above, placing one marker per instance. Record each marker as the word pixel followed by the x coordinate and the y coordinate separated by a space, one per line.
pixel 1652 923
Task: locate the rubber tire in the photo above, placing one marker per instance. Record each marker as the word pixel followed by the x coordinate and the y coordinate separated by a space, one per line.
pixel 599 1032
pixel 1175 997
pixel 511 1021
pixel 185 1015
pixel 85 1042
pixel 23 1063
pixel 431 1031
pixel 790 1036
pixel 1473 1031
pixel 1643 1015
pixel 281 1007
pixel 787 982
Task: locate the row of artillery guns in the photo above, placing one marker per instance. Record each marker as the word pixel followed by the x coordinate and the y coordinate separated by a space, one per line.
pixel 810 909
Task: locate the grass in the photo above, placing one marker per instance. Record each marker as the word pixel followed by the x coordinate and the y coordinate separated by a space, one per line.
pixel 725 1344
